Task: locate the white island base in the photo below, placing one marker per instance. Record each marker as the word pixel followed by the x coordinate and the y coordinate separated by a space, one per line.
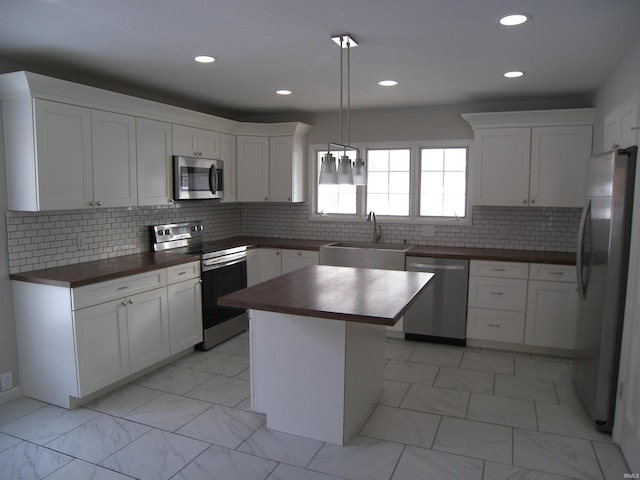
pixel 315 377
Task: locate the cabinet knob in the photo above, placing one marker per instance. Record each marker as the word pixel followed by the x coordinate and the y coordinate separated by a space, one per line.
pixel 278 253
pixel 92 203
pixel 299 254
pixel 130 302
pixel 99 204
pixel 266 198
pixel 524 201
pixel 124 304
pixel 533 200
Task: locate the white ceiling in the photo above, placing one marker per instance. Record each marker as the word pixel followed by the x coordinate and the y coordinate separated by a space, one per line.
pixel 440 51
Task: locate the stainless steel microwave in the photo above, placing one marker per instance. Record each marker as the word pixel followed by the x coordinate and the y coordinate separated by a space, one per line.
pixel 196 178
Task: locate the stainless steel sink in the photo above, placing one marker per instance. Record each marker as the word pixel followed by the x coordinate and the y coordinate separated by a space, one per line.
pixel 386 256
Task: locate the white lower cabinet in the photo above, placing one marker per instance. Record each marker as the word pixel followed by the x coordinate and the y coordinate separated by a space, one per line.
pixel 552 308
pixel 102 345
pixel 273 262
pixel 528 304
pixel 74 342
pixel 185 314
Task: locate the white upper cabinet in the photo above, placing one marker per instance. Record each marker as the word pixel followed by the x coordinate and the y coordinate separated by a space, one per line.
pixel 530 158
pixel 501 166
pixel 114 159
pixel 62 161
pixel 558 165
pixel 81 158
pixel 270 165
pixel 253 168
pixel 71 146
pixel 622 126
pixel 153 153
pixel 228 156
pixel 195 142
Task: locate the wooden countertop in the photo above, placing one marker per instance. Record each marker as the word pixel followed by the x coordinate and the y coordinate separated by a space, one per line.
pixel 527 256
pixel 86 273
pixel 340 293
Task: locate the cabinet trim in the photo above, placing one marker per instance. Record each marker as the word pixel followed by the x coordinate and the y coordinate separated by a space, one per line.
pixel 531 118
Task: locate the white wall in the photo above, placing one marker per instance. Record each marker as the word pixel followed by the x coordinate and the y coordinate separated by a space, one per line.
pixel 8 348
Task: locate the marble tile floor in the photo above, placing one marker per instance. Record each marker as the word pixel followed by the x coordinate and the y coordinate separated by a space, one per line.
pixel 445 412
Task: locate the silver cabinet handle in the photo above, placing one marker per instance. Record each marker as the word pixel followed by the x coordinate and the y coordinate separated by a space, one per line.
pixel 99 204
pixel 124 287
pixel 493 269
pixel 494 325
pixel 556 273
pixel 496 293
pixel 182 273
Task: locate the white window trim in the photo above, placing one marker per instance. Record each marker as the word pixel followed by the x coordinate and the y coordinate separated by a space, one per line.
pixel 414 187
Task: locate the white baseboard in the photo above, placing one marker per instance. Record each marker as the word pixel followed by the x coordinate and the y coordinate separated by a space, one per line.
pixel 11 394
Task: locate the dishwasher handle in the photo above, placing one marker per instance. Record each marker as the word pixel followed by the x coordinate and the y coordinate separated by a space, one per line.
pixel 428 266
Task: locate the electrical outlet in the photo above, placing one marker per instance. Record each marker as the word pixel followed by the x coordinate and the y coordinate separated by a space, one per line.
pixel 6 381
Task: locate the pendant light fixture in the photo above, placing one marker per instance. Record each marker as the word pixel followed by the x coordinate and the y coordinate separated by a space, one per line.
pixel 345 172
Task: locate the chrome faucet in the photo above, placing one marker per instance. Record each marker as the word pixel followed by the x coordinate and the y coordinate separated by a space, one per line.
pixel 377 229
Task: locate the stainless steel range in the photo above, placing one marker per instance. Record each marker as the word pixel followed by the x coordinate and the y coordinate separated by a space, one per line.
pixel 223 270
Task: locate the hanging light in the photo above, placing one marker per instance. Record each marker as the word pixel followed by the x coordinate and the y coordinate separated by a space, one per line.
pixel 346 172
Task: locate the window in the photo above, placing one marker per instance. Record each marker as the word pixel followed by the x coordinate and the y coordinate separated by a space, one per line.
pixel 389 181
pixel 410 182
pixel 443 182
pixel 335 199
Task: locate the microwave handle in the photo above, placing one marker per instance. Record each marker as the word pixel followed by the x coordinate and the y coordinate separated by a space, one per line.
pixel 213 179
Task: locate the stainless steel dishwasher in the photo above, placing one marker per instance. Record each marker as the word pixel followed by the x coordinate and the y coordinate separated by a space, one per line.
pixel 440 313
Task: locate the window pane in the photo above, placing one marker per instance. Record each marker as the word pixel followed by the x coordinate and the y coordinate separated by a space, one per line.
pixel 455 182
pixel 455 159
pixel 432 183
pixel 443 182
pixel 335 198
pixel 389 181
pixel 431 205
pixel 432 159
pixel 453 206
pixel 378 160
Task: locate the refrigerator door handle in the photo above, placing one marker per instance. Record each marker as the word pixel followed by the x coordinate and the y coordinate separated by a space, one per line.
pixel 582 281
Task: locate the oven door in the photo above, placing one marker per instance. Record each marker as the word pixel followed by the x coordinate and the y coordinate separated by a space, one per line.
pixel 216 283
pixel 196 178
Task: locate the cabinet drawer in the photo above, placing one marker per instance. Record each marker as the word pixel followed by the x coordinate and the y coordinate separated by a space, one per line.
pixel 499 269
pixel 496 325
pixel 498 293
pixel 122 287
pixel 186 271
pixel 552 273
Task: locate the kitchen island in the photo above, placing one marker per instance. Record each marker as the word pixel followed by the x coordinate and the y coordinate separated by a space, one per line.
pixel 317 345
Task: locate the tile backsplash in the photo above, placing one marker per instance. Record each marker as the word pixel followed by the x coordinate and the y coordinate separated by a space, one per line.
pixel 49 239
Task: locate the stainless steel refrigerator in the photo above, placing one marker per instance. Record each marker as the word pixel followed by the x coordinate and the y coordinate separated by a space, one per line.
pixel 602 261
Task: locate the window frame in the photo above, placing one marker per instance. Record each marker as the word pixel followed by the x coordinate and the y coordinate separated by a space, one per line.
pixel 414 187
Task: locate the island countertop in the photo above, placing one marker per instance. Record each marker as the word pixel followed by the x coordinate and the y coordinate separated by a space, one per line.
pixel 339 293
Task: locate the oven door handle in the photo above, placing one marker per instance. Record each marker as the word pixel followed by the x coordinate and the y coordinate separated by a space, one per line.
pixel 224 261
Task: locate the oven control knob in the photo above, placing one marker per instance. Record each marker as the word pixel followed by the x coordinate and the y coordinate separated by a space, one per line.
pixel 200 227
pixel 160 232
pixel 167 232
pixel 194 228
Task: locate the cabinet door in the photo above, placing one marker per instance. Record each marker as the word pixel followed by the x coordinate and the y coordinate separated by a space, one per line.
pixel 253 267
pixel 185 314
pixel 280 169
pixel 148 326
pixel 208 143
pixel 102 345
pixel 228 156
pixel 501 166
pixel 270 263
pixel 63 155
pixel 252 168
pixel 153 154
pixel 551 314
pixel 114 159
pixel 621 125
pixel 295 259
pixel 558 165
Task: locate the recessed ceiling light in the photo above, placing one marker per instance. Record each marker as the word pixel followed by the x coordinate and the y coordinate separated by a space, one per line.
pixel 283 92
pixel 204 59
pixel 512 20
pixel 514 74
pixel 387 83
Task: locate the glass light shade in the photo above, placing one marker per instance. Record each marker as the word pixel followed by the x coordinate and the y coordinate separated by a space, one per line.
pixel 359 172
pixel 345 172
pixel 328 170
